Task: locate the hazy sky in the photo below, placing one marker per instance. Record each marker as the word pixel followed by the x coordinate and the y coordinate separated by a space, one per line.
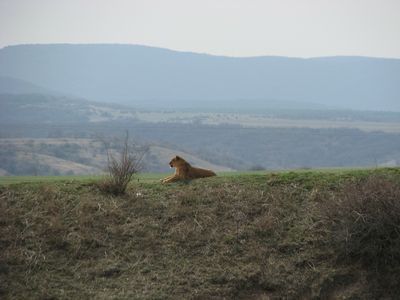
pixel 304 28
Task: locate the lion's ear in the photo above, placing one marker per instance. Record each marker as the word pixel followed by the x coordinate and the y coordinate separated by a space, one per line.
pixel 178 157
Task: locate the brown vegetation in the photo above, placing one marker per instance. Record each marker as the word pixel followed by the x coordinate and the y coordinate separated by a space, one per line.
pixel 245 237
pixel 365 220
pixel 121 170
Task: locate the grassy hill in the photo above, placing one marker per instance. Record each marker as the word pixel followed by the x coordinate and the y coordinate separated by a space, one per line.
pixel 289 235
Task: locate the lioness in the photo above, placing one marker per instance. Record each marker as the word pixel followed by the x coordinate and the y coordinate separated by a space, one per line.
pixel 184 171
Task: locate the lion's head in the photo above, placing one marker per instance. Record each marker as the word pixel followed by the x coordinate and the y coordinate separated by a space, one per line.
pixel 177 162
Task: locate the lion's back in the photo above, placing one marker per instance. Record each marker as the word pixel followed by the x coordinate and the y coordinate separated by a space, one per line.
pixel 199 173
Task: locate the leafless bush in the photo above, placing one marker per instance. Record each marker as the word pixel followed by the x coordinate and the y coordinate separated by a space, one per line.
pixel 122 168
pixel 365 220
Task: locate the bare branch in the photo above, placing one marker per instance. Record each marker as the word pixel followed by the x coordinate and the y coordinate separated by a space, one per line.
pixel 122 169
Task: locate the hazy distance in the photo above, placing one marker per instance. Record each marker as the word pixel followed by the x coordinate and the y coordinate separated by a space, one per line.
pixel 156 78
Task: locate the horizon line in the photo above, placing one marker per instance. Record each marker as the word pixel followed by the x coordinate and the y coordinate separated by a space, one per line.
pixel 199 53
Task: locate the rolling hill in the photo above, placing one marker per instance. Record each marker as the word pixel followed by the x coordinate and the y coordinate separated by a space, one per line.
pixel 161 78
pixel 72 156
pixel 22 108
pixel 9 85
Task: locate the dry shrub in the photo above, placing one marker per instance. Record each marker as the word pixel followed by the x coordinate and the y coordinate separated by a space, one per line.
pixel 365 220
pixel 121 169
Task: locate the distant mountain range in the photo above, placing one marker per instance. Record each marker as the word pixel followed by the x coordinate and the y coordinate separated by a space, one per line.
pixel 159 78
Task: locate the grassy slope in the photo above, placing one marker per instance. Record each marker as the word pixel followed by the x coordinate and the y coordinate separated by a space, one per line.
pixel 244 236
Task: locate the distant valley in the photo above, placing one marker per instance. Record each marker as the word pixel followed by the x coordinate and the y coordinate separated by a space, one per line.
pixel 48 134
pixel 77 156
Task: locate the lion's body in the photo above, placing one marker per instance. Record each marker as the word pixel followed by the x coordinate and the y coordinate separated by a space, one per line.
pixel 184 171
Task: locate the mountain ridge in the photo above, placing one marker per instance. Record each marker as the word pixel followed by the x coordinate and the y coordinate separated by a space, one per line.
pixel 123 73
pixel 198 53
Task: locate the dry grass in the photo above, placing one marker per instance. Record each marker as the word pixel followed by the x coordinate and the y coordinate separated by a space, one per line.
pixel 248 237
pixel 365 220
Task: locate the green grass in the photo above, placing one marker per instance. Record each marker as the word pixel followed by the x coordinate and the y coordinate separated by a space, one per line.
pixel 4 180
pixel 153 177
pixel 142 177
pixel 249 235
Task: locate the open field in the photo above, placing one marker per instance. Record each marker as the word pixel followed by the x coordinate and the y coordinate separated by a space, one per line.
pixel 279 235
